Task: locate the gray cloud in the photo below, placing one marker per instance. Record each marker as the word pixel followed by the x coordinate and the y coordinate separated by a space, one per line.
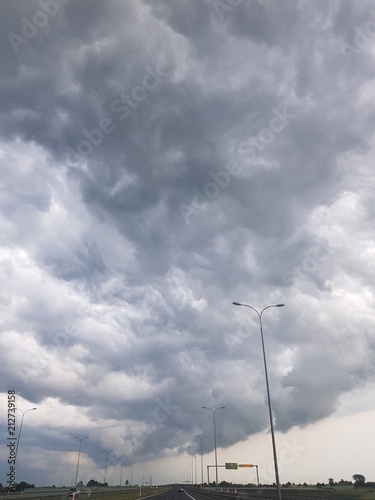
pixel 159 161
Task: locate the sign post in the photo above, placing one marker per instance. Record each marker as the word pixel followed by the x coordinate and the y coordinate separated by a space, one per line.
pixel 251 465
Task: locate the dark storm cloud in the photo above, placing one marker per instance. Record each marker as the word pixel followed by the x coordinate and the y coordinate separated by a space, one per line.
pixel 158 161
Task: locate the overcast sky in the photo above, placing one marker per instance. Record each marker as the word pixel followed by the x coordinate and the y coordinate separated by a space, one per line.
pixel 159 160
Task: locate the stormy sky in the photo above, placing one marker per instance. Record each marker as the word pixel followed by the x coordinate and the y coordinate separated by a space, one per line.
pixel 159 160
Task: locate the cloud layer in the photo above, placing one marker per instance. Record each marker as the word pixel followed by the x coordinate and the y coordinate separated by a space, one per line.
pixel 159 160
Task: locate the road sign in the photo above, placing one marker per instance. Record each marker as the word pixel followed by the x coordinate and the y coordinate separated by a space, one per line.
pixel 245 465
pixel 231 465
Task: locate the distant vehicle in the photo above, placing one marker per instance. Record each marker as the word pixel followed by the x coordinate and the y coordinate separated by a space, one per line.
pixel 180 489
pixel 72 492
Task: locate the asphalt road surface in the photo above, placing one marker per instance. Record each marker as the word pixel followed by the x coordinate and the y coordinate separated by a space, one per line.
pixel 182 493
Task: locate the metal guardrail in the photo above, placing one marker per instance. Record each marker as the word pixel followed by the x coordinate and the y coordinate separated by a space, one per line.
pixel 233 493
pixel 85 494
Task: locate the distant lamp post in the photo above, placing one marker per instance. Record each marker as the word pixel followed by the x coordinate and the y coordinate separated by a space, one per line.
pixel 201 439
pixel 122 464
pixel 268 388
pixel 19 434
pixel 195 467
pixel 106 462
pixel 214 414
pixel 79 455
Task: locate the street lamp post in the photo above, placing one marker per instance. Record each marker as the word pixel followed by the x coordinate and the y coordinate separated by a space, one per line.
pixel 122 463
pixel 19 434
pixel 268 389
pixel 195 467
pixel 192 471
pixel 214 414
pixel 106 461
pixel 79 455
pixel 201 439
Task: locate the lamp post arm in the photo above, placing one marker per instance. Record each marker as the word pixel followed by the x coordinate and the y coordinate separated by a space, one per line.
pixel 19 434
pixel 267 307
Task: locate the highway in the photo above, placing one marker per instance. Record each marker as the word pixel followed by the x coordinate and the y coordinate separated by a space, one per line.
pixel 183 493
pixel 188 493
pixel 171 493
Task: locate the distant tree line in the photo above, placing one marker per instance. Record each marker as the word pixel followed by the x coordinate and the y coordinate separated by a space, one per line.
pixel 92 483
pixel 19 487
pixel 359 482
